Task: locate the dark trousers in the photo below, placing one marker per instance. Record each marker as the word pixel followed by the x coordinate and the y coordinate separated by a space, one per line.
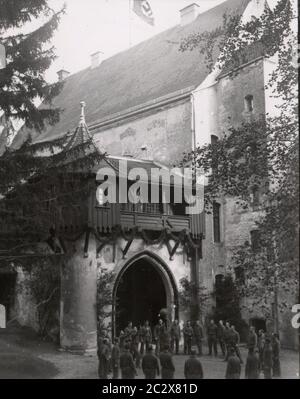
pixel 157 347
pixel 136 355
pixel 222 346
pixel 261 359
pixel 175 345
pixel 167 374
pixel 187 345
pixel 150 374
pixel 115 373
pixel 212 343
pixel 238 353
pixel 127 375
pixel 199 345
pixel 144 346
pixel 267 373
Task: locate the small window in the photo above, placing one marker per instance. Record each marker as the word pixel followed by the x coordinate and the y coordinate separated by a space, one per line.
pixel 255 197
pixel 255 240
pixel 213 139
pixel 216 221
pixel 219 279
pixel 239 274
pixel 249 103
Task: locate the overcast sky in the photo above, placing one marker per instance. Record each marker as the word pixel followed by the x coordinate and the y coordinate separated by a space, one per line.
pixel 92 25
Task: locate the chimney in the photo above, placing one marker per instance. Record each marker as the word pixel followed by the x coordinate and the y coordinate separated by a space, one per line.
pixel 96 59
pixel 62 74
pixel 188 14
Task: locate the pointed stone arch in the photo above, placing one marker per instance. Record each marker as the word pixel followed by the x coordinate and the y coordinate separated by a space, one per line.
pixel 162 270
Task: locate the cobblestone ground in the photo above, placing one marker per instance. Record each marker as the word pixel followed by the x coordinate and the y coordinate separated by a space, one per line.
pixel 23 356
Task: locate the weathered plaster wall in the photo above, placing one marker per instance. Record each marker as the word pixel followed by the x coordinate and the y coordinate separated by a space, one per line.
pixel 24 310
pixel 179 267
pixel 232 92
pixel 166 133
pixel 238 222
pixel 78 323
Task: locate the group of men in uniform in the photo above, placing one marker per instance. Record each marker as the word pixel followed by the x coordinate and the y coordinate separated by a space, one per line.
pixel 152 365
pixel 162 336
pixel 134 349
pixel 263 356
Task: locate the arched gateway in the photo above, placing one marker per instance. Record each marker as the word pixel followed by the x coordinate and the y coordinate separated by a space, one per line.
pixel 143 286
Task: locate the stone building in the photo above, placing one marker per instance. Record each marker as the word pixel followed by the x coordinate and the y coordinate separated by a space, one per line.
pixel 149 105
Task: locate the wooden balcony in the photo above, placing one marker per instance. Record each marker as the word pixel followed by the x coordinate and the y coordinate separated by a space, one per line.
pixel 104 218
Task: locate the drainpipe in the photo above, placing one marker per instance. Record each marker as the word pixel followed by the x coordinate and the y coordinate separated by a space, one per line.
pixel 193 122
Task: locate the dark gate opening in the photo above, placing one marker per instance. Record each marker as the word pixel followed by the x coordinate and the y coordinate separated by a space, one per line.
pixel 7 292
pixel 140 295
pixel 259 324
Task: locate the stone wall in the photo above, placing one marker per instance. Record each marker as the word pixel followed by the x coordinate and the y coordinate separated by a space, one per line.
pixel 166 134
pixel 238 223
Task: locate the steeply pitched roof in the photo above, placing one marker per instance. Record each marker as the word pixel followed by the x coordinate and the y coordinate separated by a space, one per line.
pixel 81 134
pixel 145 72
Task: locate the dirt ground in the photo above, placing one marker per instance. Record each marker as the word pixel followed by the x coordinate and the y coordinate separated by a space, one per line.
pixel 24 356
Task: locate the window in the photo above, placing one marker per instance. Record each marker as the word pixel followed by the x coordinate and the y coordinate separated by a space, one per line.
pixel 239 274
pixel 255 196
pixel 249 103
pixel 216 222
pixel 219 278
pixel 213 139
pixel 255 240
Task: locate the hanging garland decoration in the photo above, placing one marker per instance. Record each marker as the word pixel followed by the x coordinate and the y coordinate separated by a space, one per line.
pixel 131 235
pixel 155 241
pixel 192 243
pixel 72 237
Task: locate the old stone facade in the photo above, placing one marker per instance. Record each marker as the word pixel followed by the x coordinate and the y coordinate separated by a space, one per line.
pixel 162 130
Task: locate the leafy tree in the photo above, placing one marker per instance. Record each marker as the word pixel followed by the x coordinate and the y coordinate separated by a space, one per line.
pixel 42 282
pixel 228 306
pixel 29 55
pixel 261 155
pixel 193 298
pixel 104 301
pixel 22 87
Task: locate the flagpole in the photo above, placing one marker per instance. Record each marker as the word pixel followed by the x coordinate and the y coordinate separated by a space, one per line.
pixel 129 15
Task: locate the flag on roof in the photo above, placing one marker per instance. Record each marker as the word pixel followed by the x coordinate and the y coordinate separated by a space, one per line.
pixel 2 56
pixel 143 9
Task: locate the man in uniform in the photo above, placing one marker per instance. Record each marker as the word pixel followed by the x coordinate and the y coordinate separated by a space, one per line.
pixel 235 341
pixel 122 340
pixel 188 338
pixel 212 338
pixel 167 365
pixel 159 335
pixel 104 360
pixel 221 336
pixel 175 336
pixel 252 363
pixel 115 359
pixel 252 339
pixel 233 369
pixel 193 367
pixel 150 365
pixel 128 370
pixel 276 355
pixel 198 334
pixel 227 339
pixel 135 340
pixel 128 334
pixel 268 359
pixel 261 345
pixel 145 337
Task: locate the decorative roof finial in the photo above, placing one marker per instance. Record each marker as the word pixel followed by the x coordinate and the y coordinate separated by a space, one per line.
pixel 82 116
